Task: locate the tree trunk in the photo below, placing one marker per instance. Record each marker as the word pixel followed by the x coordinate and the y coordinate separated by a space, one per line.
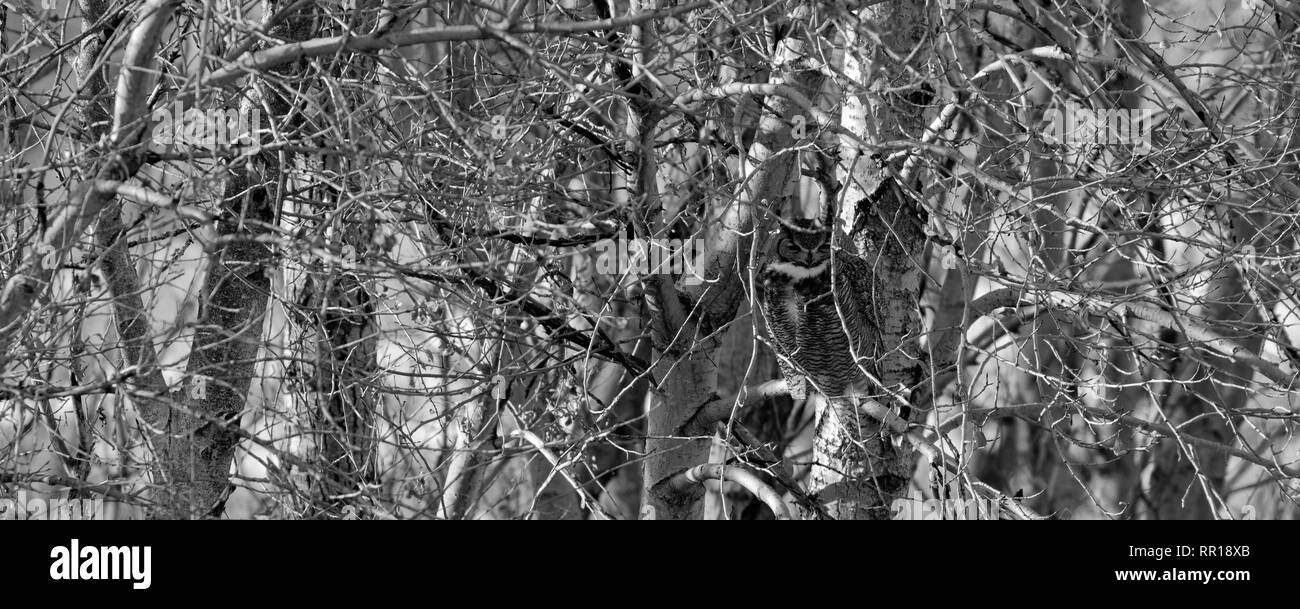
pixel 202 435
pixel 858 470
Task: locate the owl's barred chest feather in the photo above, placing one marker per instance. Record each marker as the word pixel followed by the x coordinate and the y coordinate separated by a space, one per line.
pixel 804 304
pixel 809 302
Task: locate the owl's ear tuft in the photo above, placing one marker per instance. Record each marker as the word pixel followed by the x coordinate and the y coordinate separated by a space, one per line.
pixel 802 226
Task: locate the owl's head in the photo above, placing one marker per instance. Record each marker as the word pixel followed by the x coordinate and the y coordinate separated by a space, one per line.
pixel 803 243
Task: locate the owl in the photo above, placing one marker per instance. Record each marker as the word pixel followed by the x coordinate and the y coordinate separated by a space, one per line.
pixel 816 325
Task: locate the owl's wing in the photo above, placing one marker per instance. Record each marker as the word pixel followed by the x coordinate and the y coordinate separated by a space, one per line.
pixel 855 299
pixel 777 303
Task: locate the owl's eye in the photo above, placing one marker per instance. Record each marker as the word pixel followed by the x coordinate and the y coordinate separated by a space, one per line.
pixel 824 248
pixel 788 248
